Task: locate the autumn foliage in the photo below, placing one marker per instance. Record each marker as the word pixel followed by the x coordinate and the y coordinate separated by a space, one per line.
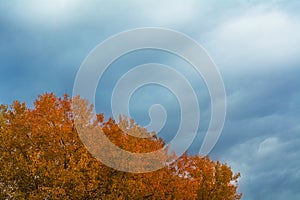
pixel 43 157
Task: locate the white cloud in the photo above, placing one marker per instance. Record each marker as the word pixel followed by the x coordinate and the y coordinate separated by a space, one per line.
pixel 258 38
pixel 169 12
pixel 60 13
pixel 268 146
pixel 46 12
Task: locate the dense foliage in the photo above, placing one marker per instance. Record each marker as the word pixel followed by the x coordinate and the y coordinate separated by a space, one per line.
pixel 42 157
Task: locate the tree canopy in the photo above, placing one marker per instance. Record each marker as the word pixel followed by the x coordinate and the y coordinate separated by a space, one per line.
pixel 43 157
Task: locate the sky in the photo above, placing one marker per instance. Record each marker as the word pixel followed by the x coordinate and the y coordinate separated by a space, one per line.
pixel 254 44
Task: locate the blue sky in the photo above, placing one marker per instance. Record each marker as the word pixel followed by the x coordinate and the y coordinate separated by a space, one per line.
pixel 255 44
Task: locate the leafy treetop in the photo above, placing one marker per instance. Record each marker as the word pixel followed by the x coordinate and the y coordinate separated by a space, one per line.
pixel 42 157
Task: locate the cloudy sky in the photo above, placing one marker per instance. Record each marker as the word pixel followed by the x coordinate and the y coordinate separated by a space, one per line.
pixel 255 44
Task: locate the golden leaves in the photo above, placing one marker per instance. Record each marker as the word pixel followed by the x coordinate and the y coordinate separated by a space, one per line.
pixel 42 157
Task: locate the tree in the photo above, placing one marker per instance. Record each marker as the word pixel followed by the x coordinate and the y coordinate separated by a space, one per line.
pixel 42 157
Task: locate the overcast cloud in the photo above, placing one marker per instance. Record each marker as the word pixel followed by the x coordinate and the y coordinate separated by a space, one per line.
pixel 255 44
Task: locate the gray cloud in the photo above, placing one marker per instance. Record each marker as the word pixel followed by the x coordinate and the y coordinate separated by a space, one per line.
pixel 254 43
